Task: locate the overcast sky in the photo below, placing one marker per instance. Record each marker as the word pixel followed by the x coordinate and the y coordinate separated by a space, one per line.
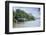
pixel 35 11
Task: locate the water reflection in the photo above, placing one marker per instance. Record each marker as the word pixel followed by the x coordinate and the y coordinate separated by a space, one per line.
pixel 35 23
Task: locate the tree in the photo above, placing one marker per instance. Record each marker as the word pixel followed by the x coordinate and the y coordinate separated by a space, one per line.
pixel 22 14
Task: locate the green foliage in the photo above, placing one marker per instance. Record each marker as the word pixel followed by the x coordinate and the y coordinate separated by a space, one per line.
pixel 21 14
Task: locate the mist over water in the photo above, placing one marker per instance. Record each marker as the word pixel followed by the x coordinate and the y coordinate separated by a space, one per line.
pixel 35 23
pixel 29 10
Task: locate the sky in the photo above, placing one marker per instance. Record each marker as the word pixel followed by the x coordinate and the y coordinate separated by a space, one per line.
pixel 30 10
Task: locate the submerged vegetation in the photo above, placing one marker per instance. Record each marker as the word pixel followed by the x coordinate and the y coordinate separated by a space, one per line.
pixel 21 15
